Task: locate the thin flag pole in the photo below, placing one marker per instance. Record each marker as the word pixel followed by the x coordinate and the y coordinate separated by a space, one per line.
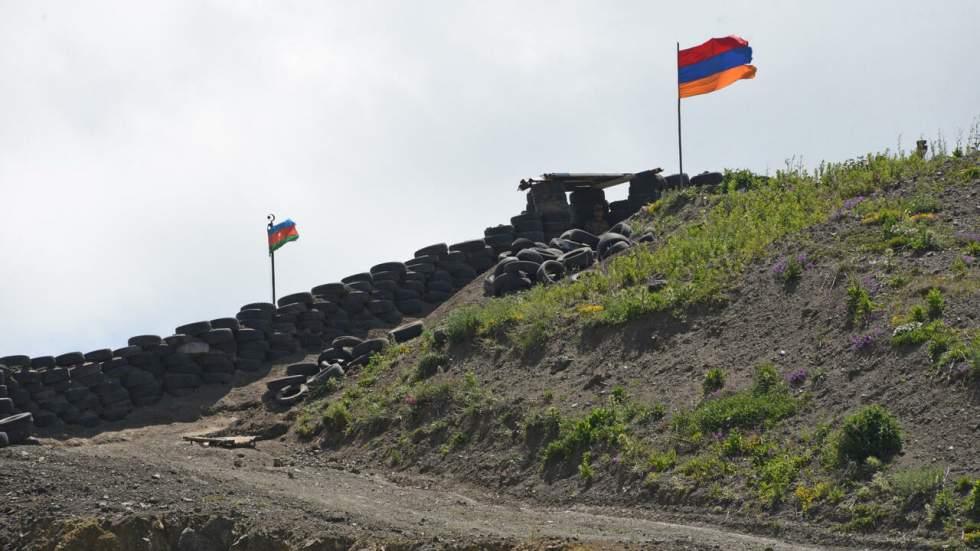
pixel 680 151
pixel 272 259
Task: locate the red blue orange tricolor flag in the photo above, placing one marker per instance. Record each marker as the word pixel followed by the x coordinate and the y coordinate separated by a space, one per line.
pixel 713 65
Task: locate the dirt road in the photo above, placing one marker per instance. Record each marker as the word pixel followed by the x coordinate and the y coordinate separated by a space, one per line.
pixel 151 469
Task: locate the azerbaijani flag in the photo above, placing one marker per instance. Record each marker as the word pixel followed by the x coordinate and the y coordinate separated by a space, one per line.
pixel 713 65
pixel 282 233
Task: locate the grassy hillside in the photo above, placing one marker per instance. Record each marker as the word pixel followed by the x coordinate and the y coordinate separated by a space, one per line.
pixel 795 352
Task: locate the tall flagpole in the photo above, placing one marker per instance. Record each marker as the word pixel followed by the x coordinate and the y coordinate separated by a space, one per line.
pixel 680 153
pixel 272 259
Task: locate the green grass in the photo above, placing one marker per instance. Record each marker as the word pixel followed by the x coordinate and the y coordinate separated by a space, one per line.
pixel 606 426
pixel 704 256
pixel 747 409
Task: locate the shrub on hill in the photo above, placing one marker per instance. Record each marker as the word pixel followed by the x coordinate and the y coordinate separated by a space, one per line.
pixel 870 432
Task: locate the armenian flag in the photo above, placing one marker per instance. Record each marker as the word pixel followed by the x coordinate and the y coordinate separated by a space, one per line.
pixel 713 65
pixel 282 233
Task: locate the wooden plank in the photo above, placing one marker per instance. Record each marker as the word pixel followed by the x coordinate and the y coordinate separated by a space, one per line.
pixel 224 441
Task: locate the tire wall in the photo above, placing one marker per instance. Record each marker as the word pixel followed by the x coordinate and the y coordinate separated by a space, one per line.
pixel 106 385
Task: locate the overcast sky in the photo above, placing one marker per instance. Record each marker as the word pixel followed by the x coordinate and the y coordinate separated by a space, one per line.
pixel 143 143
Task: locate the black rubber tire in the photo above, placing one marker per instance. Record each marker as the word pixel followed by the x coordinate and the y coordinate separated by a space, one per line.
pixel 69 359
pixel 410 306
pixel 378 307
pixel 144 341
pixel 381 279
pixel 16 360
pixel 253 314
pixel 4 440
pixel 499 242
pixel 677 181
pixel 137 377
pixel 219 336
pixel 608 239
pixel 295 298
pixel 18 427
pixel 274 385
pixel 578 259
pixel 99 355
pixel 264 306
pixel 289 395
pixel 54 376
pixel 499 230
pixel 153 388
pixel 502 265
pixel 370 346
pixel 332 355
pixel 307 369
pixel 530 255
pixel 581 236
pixel 509 283
pixel 195 329
pixel 529 268
pixel 470 246
pixel 329 290
pixel 424 268
pixel 708 179
pixel 441 286
pixel 126 351
pixel 406 332
pixel 346 341
pixel 439 249
pixel 6 406
pixel 225 323
pixel 550 271
pixel 398 267
pixel 363 276
pixel 247 334
pixel 622 228
pixel 615 248
pixel 42 362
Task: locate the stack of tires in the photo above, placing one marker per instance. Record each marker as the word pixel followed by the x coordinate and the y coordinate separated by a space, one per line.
pixel 499 238
pixel 583 203
pixel 645 188
pixel 575 250
pixel 551 204
pixel 298 323
pixel 528 226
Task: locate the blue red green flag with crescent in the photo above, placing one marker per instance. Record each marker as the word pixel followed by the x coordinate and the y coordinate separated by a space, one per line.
pixel 713 65
pixel 282 233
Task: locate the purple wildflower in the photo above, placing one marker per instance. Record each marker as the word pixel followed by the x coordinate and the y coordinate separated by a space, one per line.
pixel 969 259
pixel 796 378
pixel 865 341
pixel 969 237
pixel 852 202
pixel 718 436
pixel 779 268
